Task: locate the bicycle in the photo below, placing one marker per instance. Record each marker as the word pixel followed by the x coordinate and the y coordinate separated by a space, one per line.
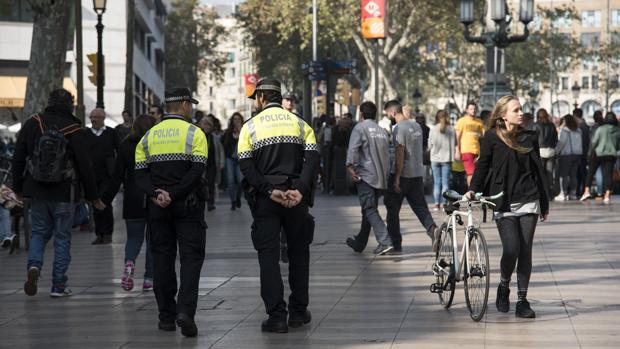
pixel 470 266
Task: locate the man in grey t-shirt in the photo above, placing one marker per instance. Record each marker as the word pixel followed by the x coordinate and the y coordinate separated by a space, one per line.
pixel 368 164
pixel 406 181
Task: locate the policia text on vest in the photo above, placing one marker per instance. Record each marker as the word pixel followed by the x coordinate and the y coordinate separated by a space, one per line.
pixel 277 152
pixel 170 161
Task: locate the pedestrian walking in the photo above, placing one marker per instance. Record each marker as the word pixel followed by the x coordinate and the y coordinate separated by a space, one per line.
pixel 278 157
pixel 134 208
pixel 547 141
pixel 216 161
pixel 441 142
pixel 170 161
pixel 510 163
pixel 103 145
pixel 605 145
pixel 406 181
pixel 368 164
pixel 233 172
pixel 469 130
pixel 46 144
pixel 156 112
pixel 570 150
pixel 122 130
pixel 582 170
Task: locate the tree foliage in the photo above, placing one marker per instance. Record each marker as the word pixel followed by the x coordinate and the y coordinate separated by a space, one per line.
pixel 192 36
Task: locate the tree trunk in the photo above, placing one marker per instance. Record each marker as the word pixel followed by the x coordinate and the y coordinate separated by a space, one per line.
pixel 131 14
pixel 50 35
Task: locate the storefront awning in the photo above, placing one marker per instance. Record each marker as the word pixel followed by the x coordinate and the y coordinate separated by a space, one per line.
pixel 13 90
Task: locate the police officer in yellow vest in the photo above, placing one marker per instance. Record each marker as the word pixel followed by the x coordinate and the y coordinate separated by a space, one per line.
pixel 278 157
pixel 170 161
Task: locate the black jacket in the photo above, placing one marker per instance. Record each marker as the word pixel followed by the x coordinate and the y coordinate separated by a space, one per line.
pixel 497 169
pixel 547 135
pixel 102 150
pixel 23 184
pixel 134 198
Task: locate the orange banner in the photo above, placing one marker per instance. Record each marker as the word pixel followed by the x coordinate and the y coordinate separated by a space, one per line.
pixel 373 19
pixel 250 83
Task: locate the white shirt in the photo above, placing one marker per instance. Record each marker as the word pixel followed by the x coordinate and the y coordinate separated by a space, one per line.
pixel 98 132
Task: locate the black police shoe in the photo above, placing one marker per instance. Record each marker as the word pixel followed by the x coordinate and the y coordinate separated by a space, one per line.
pixel 187 325
pixel 298 320
pixel 167 326
pixel 275 326
pixel 524 310
pixel 353 244
pixel 502 302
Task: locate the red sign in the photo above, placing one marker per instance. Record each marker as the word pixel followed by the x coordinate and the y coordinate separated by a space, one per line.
pixel 373 19
pixel 250 83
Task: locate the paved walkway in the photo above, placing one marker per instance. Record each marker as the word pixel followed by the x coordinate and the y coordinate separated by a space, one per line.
pixel 357 300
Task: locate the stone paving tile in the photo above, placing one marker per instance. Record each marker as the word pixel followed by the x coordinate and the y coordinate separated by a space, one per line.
pixel 357 300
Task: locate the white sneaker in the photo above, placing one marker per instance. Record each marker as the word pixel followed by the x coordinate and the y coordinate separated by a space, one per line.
pixel 560 197
pixel 606 201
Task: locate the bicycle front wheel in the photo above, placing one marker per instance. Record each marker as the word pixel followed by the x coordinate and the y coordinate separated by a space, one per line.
pixel 444 267
pixel 477 276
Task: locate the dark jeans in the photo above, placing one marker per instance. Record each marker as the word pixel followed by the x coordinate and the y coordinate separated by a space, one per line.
pixel 136 229
pixel 298 224
pixel 51 219
pixel 233 180
pixel 517 235
pixel 568 169
pixel 104 221
pixel 582 173
pixel 548 166
pixel 211 175
pixel 607 164
pixel 413 190
pixel 169 226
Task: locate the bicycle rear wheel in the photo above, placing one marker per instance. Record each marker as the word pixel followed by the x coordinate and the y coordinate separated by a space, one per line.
pixel 477 277
pixel 444 267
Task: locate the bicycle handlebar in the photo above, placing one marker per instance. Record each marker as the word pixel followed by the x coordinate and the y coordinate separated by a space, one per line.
pixel 455 197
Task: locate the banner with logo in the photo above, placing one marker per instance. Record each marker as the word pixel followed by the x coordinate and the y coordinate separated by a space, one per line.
pixel 250 83
pixel 373 19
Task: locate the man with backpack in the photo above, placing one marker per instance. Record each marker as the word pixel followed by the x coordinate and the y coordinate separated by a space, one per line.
pixel 49 163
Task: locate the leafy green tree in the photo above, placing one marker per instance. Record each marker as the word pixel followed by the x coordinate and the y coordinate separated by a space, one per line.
pixel 192 35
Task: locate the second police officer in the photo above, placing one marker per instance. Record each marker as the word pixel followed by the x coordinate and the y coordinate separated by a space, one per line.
pixel 170 161
pixel 278 157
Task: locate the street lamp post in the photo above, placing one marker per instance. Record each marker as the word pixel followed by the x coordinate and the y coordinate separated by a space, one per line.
pixel 495 39
pixel 576 89
pixel 417 97
pixel 99 7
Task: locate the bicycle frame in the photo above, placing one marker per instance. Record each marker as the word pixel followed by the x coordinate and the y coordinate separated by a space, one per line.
pixel 460 260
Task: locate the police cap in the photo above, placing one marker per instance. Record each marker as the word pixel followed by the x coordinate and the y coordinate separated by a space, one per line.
pixel 290 96
pixel 267 84
pixel 179 94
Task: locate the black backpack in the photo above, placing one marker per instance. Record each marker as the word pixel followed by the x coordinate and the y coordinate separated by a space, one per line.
pixel 51 160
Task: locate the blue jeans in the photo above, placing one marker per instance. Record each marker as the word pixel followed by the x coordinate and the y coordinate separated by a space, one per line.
pixel 441 178
pixel 5 223
pixel 233 179
pixel 369 201
pixel 51 218
pixel 135 236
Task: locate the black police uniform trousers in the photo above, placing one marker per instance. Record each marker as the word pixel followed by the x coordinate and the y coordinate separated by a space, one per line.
pixel 269 219
pixel 169 226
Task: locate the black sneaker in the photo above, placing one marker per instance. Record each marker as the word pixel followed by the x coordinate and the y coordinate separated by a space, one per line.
pixel 187 325
pixel 238 203
pixel 524 310
pixel 298 320
pixel 353 244
pixel 502 302
pixel 30 286
pixel 274 326
pixel 383 249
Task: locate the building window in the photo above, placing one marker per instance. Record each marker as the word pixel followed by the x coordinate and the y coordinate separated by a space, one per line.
pixel 590 40
pixel 585 83
pixel 591 19
pixel 563 22
pixel 595 82
pixel 15 11
pixel 564 84
pixel 615 18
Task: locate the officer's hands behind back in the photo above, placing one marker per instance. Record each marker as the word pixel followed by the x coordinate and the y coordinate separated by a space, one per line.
pixel 288 199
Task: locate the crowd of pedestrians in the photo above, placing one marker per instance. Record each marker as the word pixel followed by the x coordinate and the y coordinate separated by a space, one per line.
pixel 172 164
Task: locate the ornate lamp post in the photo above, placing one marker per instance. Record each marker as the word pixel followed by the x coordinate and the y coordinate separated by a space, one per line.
pixel 495 38
pixel 576 89
pixel 99 7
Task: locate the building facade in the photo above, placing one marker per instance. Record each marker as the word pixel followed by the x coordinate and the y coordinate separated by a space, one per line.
pixel 223 98
pixel 148 59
